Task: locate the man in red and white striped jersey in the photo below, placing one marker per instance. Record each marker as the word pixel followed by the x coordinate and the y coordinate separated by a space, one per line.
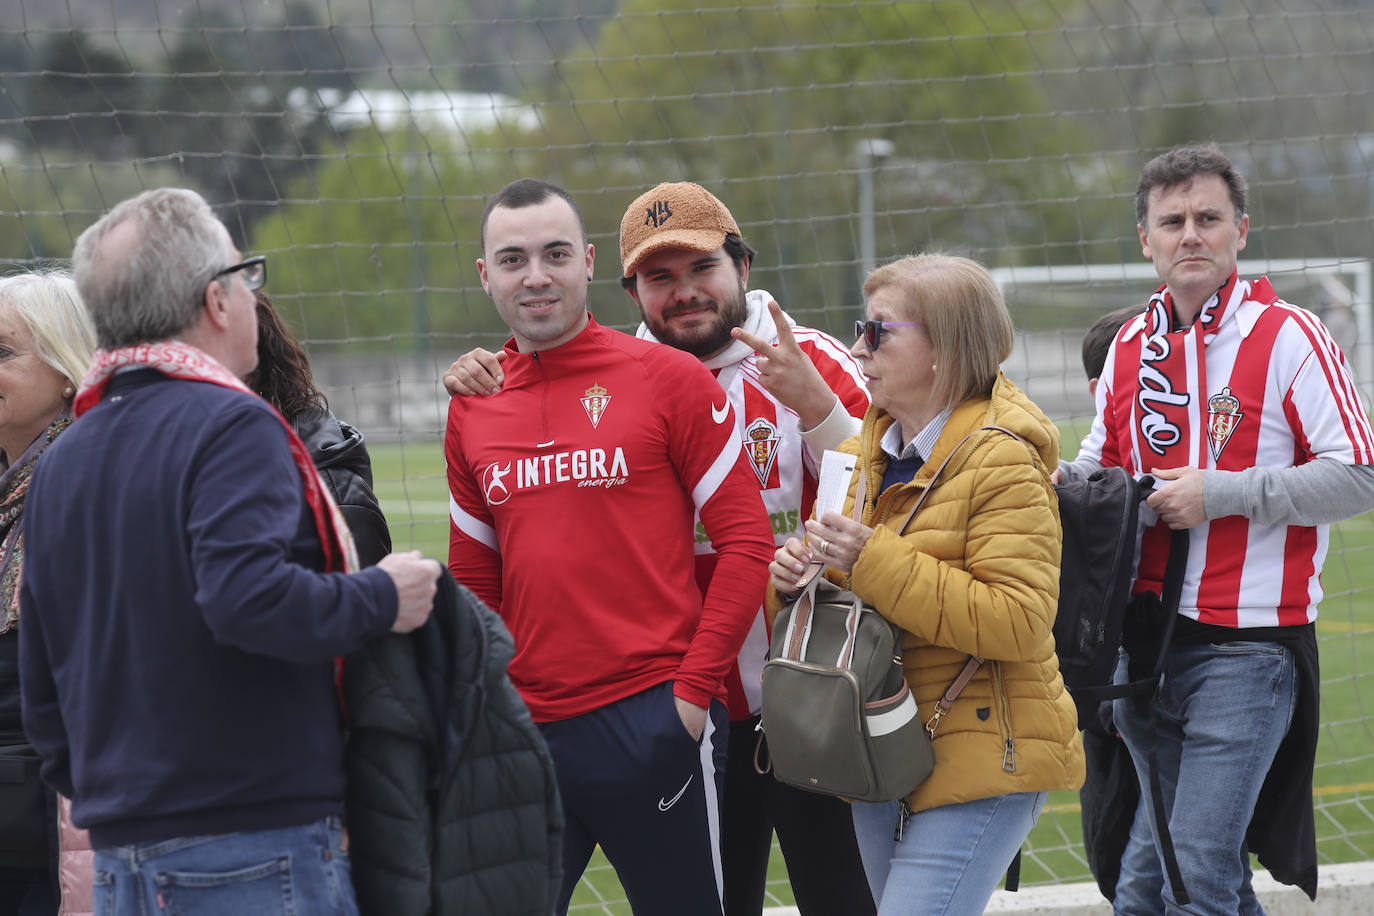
pixel 795 391
pixel 793 388
pixel 1244 410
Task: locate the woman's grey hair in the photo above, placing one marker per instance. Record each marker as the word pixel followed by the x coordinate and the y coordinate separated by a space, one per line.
pixel 142 268
pixel 963 314
pixel 47 303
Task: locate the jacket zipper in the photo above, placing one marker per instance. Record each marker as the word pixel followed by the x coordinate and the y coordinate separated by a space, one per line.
pixel 543 400
pixel 999 698
pixel 999 691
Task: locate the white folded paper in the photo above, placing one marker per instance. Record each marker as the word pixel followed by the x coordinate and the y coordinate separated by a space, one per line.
pixel 837 469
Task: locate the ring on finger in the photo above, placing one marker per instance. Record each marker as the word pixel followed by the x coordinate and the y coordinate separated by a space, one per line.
pixel 825 546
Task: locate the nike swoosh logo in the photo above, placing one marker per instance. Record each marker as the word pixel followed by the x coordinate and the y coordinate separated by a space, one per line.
pixel 664 805
pixel 719 416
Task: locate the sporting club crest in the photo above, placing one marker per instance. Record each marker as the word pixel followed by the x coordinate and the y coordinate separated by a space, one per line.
pixel 1223 416
pixel 595 400
pixel 761 446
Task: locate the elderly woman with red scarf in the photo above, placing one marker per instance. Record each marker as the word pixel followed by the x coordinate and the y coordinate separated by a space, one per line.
pixel 46 341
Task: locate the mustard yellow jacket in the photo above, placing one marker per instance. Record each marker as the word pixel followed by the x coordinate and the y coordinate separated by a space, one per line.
pixel 976 573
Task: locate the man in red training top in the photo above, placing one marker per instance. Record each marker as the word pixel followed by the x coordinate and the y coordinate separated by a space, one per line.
pixel 574 492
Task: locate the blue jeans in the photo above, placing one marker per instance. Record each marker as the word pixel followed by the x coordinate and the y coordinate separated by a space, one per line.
pixel 1142 874
pixel 1222 713
pixel 950 859
pixel 299 870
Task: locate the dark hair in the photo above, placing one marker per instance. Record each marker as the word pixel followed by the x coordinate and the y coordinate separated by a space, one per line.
pixel 735 246
pixel 283 374
pixel 1183 164
pixel 527 192
pixel 738 250
pixel 1100 336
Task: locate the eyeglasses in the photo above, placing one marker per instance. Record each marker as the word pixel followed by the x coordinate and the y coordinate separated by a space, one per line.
pixel 872 331
pixel 253 272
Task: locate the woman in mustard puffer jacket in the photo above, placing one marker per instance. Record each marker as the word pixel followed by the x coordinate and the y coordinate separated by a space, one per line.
pixel 976 573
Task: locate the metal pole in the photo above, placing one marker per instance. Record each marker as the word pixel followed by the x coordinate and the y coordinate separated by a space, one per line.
pixel 867 152
pixel 867 256
pixel 418 255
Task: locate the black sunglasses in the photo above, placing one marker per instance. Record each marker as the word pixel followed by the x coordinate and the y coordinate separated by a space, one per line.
pixel 253 272
pixel 872 331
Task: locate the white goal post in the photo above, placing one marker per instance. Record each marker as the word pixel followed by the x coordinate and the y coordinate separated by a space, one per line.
pixel 1355 276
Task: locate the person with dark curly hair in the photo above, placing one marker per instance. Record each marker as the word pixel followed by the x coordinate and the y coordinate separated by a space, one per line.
pixel 284 380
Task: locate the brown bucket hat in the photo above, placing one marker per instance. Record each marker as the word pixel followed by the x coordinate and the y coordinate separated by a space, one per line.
pixel 673 215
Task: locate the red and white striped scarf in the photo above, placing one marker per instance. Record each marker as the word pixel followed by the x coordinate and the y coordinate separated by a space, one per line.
pixel 1169 413
pixel 183 361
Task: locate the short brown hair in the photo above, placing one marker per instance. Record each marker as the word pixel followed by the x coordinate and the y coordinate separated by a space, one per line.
pixel 1099 338
pixel 963 313
pixel 1183 164
pixel 527 192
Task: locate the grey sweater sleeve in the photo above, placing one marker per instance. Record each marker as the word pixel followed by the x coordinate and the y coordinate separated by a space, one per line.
pixel 1079 468
pixel 1316 493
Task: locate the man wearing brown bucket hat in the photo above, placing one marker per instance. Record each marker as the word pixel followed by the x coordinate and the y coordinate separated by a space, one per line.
pixel 794 390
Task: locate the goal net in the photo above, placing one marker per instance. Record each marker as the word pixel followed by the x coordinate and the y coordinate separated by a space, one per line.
pixel 354 143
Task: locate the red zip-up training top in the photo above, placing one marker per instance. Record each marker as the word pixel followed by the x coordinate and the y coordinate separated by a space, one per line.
pixel 573 493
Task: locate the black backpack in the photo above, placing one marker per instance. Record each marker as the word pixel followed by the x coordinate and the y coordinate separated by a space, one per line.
pixel 1098 514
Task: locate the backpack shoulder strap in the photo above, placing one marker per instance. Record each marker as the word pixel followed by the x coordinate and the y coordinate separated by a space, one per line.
pixel 961 680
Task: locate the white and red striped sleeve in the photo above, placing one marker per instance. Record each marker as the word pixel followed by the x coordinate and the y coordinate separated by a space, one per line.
pixel 1321 402
pixel 837 366
pixel 842 375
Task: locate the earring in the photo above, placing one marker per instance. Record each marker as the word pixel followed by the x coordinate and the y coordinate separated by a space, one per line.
pixel 589 278
pixel 68 391
pixel 933 367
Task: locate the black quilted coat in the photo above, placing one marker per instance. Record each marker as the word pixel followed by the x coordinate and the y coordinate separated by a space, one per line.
pixel 339 454
pixel 452 804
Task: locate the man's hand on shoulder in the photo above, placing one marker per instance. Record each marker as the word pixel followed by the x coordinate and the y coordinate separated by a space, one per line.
pixel 1179 501
pixel 788 373
pixel 476 372
pixel 416 580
